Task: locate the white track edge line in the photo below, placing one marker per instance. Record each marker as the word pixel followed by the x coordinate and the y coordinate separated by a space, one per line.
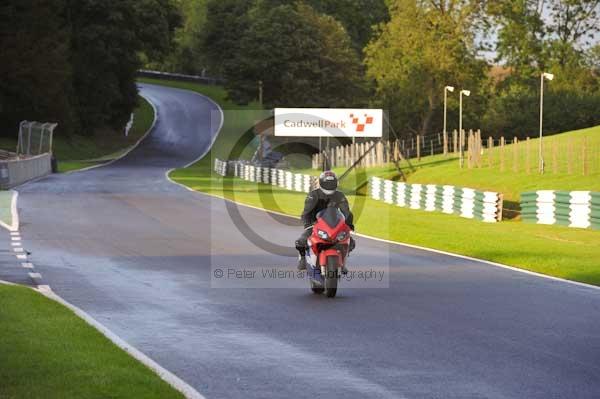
pixel 163 373
pixel 14 226
pixel 488 262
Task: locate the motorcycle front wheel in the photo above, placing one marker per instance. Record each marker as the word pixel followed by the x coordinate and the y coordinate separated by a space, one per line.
pixel 331 277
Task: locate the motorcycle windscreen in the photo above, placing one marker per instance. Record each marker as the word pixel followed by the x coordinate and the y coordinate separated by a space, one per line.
pixel 332 216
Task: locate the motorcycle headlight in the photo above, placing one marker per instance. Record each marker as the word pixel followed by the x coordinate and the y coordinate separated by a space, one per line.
pixel 323 235
pixel 342 236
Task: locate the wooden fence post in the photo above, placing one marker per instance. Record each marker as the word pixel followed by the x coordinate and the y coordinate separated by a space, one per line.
pixel 490 148
pixel 554 157
pixel 527 160
pixel 502 154
pixel 569 155
pixel 479 147
pixel 431 146
pixel 445 143
pixel 454 143
pixel 418 148
pixel 515 154
pixel 584 155
pixel 469 143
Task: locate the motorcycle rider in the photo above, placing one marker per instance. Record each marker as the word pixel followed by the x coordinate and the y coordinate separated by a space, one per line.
pixel 316 201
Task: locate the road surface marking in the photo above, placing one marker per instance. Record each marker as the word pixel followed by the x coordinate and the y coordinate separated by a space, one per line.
pixel 27 265
pixel 163 373
pixel 15 238
pixel 36 276
pixel 18 249
pixel 21 256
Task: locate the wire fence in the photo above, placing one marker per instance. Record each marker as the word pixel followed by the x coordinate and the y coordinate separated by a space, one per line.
pixel 560 154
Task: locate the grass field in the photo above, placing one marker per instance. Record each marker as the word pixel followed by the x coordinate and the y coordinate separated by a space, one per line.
pixel 80 151
pixel 515 180
pixel 47 352
pixel 558 251
pixel 440 169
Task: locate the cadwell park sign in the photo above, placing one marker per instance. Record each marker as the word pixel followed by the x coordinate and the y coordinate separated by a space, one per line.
pixel 328 122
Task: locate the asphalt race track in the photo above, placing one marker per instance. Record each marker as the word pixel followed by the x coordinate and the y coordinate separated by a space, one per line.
pixel 136 252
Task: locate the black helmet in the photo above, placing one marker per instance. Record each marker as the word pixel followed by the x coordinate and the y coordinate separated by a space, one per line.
pixel 328 182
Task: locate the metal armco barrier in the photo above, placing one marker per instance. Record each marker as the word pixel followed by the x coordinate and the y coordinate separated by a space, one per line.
pixel 276 177
pixel 466 202
pixel 18 171
pixel 567 208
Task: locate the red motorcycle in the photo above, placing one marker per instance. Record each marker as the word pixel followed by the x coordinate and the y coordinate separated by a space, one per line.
pixel 328 248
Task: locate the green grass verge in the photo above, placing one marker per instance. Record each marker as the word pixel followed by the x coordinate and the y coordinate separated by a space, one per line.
pixel 511 182
pixel 78 151
pixel 6 207
pixel 553 250
pixel 47 352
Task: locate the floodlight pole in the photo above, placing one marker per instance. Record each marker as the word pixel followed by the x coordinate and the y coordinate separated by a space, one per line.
pixel 446 90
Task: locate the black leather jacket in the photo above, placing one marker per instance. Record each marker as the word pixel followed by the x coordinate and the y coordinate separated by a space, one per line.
pixel 317 200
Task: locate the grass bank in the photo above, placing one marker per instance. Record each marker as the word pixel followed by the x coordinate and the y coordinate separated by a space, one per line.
pixel 47 352
pixel 567 253
pixel 80 151
pixel 6 216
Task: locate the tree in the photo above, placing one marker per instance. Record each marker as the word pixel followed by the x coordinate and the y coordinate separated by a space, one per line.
pixel 35 67
pixel 551 36
pixel 185 54
pixel 358 17
pixel 302 57
pixel 226 24
pixel 106 39
pixel 424 47
pixel 574 24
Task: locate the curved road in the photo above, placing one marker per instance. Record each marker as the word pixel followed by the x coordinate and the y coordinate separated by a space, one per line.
pixel 135 251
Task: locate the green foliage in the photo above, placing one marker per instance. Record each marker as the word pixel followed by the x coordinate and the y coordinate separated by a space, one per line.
pixel 564 109
pixel 74 62
pixel 185 54
pixel 106 39
pixel 420 51
pixel 529 44
pixel 302 57
pixel 358 17
pixel 226 24
pixel 35 71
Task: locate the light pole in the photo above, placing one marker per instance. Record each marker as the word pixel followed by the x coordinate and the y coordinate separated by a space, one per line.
pixel 460 133
pixel 548 76
pixel 446 90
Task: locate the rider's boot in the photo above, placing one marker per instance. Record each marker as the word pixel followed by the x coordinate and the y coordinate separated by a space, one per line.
pixel 302 262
